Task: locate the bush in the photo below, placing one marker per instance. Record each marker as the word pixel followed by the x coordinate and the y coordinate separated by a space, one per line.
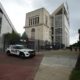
pixel 75 75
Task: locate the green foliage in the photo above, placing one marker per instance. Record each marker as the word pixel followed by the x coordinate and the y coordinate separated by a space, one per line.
pixel 24 36
pixel 11 38
pixel 79 31
pixel 76 44
pixel 75 75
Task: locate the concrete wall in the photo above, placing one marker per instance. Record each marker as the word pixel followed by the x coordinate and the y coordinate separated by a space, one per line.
pixel 65 32
pixel 6 27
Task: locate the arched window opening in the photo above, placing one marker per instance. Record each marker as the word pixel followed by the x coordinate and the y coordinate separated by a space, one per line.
pixel 33 34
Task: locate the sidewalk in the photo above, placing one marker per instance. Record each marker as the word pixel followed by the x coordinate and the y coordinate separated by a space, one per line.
pixel 56 67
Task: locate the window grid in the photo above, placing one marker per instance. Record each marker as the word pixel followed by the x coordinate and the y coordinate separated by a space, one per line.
pixel 33 20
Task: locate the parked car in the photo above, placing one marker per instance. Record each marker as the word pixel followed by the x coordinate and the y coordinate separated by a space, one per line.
pixel 20 50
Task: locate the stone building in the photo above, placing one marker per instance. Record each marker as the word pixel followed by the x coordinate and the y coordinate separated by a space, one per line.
pixel 48 29
pixel 37 27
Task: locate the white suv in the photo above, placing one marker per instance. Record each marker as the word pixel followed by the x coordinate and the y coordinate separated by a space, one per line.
pixel 20 50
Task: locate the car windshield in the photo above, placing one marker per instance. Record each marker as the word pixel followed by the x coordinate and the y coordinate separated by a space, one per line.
pixel 18 47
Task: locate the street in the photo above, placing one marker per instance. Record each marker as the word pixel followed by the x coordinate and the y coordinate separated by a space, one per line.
pixel 15 68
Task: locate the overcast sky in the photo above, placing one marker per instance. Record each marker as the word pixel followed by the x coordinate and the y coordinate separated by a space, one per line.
pixel 17 9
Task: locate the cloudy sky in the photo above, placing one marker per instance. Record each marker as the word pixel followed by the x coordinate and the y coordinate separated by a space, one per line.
pixel 17 9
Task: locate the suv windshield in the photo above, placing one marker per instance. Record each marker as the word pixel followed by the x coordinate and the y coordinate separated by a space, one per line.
pixel 18 47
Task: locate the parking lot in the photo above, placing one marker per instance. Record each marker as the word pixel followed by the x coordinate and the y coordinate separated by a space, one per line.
pixel 15 68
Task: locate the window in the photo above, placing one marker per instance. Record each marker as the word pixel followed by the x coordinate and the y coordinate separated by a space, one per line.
pixel 58 21
pixel 37 19
pixel 52 21
pixel 33 34
pixel 29 21
pixel 52 38
pixel 52 29
pixel 0 24
pixel 58 39
pixel 33 20
pixel 58 31
pixel 46 20
pixel 18 47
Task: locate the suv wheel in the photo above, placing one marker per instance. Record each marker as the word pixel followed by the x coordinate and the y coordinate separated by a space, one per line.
pixel 8 53
pixel 22 55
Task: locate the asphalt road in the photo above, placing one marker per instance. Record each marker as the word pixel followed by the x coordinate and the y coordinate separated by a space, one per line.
pixel 15 68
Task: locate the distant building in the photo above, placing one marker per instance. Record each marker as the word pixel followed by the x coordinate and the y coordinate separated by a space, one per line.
pixel 45 29
pixel 5 25
pixel 60 25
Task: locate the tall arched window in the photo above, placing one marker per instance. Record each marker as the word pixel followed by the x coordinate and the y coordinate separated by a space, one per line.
pixel 33 34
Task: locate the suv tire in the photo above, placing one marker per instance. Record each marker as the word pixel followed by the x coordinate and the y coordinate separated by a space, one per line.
pixel 8 53
pixel 22 55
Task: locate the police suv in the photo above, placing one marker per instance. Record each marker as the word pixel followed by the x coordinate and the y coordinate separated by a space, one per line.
pixel 20 50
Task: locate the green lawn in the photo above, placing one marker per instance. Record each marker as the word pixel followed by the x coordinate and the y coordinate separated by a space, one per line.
pixel 75 75
pixel 59 52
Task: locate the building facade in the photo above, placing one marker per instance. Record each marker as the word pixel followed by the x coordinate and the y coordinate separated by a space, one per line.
pixel 60 25
pixel 46 29
pixel 37 27
pixel 5 25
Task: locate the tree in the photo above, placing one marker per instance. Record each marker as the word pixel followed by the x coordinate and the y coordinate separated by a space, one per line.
pixel 11 38
pixel 24 36
pixel 14 38
pixel 79 34
pixel 78 60
pixel 24 39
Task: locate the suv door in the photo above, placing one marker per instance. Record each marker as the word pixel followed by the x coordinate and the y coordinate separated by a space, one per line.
pixel 14 50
